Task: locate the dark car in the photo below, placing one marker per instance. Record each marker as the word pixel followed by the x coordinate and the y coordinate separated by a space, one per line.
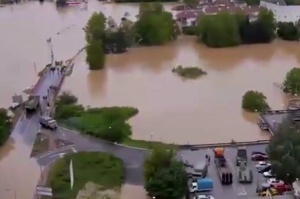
pixel 258 156
pixel 264 169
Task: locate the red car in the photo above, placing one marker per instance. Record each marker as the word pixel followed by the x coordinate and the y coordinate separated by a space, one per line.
pixel 259 156
pixel 282 188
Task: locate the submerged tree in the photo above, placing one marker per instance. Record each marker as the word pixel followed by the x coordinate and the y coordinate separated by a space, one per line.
pixel 219 30
pixel 155 26
pixel 254 101
pixel 291 83
pixel 95 55
pixel 94 34
pixel 288 31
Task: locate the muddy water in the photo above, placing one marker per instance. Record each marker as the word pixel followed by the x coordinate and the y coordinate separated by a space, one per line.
pixel 182 111
pixel 171 109
pixel 23 34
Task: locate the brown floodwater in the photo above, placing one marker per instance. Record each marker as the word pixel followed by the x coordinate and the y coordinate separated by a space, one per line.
pixel 172 109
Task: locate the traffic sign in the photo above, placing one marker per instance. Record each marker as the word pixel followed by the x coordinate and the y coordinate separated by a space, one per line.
pixel 44 191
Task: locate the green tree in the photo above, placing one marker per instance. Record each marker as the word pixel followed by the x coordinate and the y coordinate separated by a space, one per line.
pixel 61 3
pixel 95 27
pixel 254 101
pixel 291 83
pixel 288 31
pixel 168 182
pixel 284 151
pixel 116 41
pixel 95 55
pixel 94 35
pixel 191 2
pixel 219 30
pixel 267 24
pixel 252 2
pixel 292 2
pixel 165 176
pixel 5 126
pixel 66 98
pixel 155 26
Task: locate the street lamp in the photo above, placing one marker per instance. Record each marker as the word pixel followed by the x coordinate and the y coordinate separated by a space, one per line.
pixel 151 136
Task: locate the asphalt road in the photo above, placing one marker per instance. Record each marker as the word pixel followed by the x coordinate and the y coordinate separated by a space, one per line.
pixel 236 190
pixel 133 158
pixel 28 125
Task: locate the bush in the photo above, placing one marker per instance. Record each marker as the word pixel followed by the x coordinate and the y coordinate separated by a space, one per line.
pixel 291 83
pixel 5 126
pixel 108 123
pixel 67 111
pixel 189 72
pixel 66 98
pixel 288 31
pixel 190 30
pixel 101 168
pixel 254 101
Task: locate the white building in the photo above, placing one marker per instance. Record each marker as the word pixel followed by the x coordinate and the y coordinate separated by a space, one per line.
pixel 282 12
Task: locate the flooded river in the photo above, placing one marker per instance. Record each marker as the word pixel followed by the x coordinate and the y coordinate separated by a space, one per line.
pixel 207 110
pixel 172 109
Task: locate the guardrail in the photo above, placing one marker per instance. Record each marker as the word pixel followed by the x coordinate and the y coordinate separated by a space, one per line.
pixel 229 144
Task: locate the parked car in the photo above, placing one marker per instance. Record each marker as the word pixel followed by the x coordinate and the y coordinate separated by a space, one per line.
pixel 282 188
pixel 204 197
pixel 262 164
pixel 259 156
pixel 264 169
pixel 275 182
pixel 268 174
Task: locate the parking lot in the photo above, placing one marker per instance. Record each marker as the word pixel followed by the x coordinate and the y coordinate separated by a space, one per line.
pixel 236 190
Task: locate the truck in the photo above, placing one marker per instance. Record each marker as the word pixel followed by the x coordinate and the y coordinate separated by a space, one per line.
pixel 200 169
pixel 32 103
pixel 241 155
pixel 223 170
pixel 200 185
pixel 48 122
pixel 244 174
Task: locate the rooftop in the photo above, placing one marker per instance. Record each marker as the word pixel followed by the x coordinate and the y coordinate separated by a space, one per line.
pixel 215 9
pixel 278 2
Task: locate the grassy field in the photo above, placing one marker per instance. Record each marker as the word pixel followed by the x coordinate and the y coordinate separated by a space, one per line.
pixel 100 168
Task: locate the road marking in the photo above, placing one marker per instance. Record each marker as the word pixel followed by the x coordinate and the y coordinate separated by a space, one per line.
pixel 29 121
pixel 242 192
pixel 74 150
pixel 54 151
pixel 61 155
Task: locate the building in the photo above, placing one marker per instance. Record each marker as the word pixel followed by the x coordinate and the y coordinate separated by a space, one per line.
pixel 190 17
pixel 282 12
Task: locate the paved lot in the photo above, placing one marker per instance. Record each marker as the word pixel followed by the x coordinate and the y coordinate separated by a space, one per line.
pixel 236 190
